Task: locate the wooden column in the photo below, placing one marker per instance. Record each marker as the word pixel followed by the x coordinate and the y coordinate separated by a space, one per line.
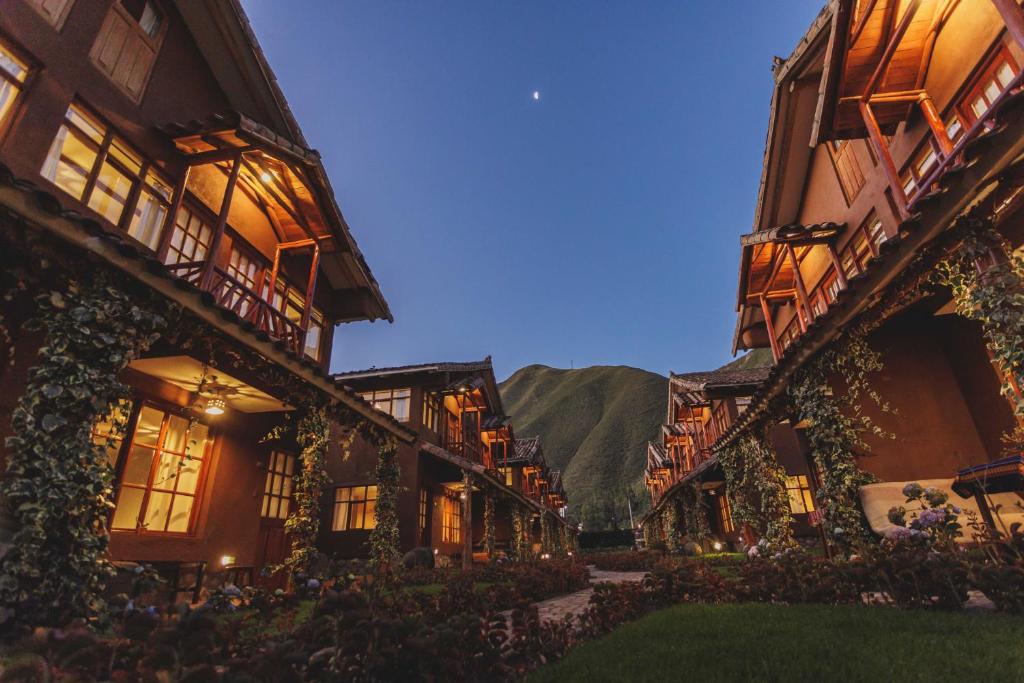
pixel 882 152
pixel 931 115
pixel 172 213
pixel 467 520
pixel 801 290
pixel 770 324
pixel 307 306
pixel 206 280
pixel 1013 17
pixel 838 265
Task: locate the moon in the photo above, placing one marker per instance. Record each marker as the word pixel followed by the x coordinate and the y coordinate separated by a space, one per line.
pixel 536 95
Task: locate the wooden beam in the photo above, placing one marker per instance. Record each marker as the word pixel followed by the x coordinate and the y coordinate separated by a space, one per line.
pixel 172 213
pixel 1013 17
pixel 801 291
pixel 891 46
pixel 837 264
pixel 931 115
pixel 206 279
pixel 215 156
pixel 770 324
pixel 882 152
pixel 862 22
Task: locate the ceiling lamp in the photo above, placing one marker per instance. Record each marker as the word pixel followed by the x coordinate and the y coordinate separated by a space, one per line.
pixel 266 177
pixel 215 406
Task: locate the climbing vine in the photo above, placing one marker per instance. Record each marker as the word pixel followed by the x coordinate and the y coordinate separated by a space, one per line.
pixel 757 486
pixel 545 534
pixel 384 543
pixel 489 503
pixel 695 518
pixel 670 524
pixel 518 532
pixel 58 482
pixel 987 282
pixel 302 526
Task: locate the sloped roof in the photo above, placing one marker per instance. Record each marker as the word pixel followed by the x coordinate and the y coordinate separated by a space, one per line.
pixel 526 451
pixel 467 366
pixel 721 378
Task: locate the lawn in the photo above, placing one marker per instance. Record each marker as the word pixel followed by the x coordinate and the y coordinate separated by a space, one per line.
pixel 800 643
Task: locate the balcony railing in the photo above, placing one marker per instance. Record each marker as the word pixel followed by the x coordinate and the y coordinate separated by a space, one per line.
pixel 249 305
pixel 453 443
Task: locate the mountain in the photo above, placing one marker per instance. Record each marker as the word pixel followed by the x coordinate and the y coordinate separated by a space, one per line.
pixel 594 425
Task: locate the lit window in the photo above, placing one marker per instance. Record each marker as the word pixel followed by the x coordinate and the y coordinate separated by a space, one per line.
pixel 876 233
pixel 506 475
pixel 451 519
pixel 354 508
pixel 725 513
pixel 394 402
pixel 799 493
pixel 161 473
pixel 151 211
pixel 432 412
pixel 277 491
pixel 190 239
pixel 107 432
pixel 13 73
pixel 498 451
pixel 244 269
pixel 996 80
pixel 954 128
pixel 291 301
pixel 832 288
pixel 313 334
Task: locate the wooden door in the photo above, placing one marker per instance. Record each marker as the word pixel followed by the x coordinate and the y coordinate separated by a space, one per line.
pixel 275 508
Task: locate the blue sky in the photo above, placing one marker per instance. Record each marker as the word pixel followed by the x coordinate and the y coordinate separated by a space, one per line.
pixel 597 225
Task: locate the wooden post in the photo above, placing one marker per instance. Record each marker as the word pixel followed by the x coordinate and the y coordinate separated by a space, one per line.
pixel 838 265
pixel 206 279
pixel 931 115
pixel 770 324
pixel 882 152
pixel 307 305
pixel 801 291
pixel 172 213
pixel 1013 17
pixel 467 520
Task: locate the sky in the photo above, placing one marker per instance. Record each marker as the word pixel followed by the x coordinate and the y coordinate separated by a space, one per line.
pixel 595 224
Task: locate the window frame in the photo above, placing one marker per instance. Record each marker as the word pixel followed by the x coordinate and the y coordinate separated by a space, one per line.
pixel 432 406
pixel 978 84
pixel 451 518
pixel 278 463
pixel 8 117
pixel 800 485
pixel 391 399
pixel 349 501
pixel 725 513
pixel 198 495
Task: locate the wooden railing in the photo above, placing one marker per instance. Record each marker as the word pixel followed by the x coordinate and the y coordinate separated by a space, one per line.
pixel 249 305
pixel 453 443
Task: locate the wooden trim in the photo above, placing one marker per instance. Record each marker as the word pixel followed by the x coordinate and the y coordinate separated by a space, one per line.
pixel 770 324
pixel 206 279
pixel 882 152
pixel 1013 17
pixel 801 291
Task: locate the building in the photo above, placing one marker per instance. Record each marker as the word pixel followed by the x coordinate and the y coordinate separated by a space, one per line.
pixel 702 406
pixel 466 454
pixel 150 167
pixel 892 160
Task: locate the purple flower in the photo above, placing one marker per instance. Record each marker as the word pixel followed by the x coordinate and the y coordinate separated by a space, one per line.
pixel 898 515
pixel 899 533
pixel 312 584
pixel 956 510
pixel 232 591
pixel 912 490
pixel 935 497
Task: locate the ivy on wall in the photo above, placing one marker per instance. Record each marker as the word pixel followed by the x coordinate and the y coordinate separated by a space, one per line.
pixel 313 435
pixel 670 525
pixel 518 532
pixel 987 282
pixel 757 488
pixel 57 482
pixel 384 541
pixel 545 534
pixel 489 502
pixel 695 518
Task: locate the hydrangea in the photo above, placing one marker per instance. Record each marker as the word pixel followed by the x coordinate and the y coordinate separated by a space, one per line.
pixel 232 591
pixel 898 515
pixel 935 497
pixel 929 518
pixel 912 490
pixel 753 551
pixel 900 533
pixel 312 584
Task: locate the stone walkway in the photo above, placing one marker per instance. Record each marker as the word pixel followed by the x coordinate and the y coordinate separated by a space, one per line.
pixel 575 603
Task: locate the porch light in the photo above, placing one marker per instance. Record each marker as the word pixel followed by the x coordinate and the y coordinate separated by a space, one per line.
pixel 227 560
pixel 215 406
pixel 266 177
pixel 717 545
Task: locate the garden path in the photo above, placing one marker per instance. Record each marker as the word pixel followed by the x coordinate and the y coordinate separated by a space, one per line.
pixel 575 603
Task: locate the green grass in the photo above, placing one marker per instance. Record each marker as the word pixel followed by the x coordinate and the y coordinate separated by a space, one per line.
pixel 758 642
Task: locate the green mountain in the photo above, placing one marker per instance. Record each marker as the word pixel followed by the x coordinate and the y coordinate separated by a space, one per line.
pixel 594 425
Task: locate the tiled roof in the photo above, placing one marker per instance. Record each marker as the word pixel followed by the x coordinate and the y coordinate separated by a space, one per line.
pixel 494 422
pixel 794 232
pixel 711 379
pixel 468 366
pixel 656 450
pixel 526 451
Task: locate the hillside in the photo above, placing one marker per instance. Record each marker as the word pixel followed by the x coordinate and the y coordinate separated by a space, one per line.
pixel 595 423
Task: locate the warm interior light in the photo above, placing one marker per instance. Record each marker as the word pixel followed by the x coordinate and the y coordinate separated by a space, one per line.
pixel 227 560
pixel 215 406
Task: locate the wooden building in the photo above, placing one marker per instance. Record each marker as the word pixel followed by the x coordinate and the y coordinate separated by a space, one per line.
pixel 145 143
pixel 702 407
pixel 465 453
pixel 895 138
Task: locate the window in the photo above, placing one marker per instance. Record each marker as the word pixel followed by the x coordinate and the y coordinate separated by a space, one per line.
pixel 917 172
pixel 995 80
pixel 725 513
pixel 954 128
pixel 245 269
pixel 394 402
pixel 161 473
pixel 94 166
pixel 291 301
pixel 54 11
pixel 424 509
pixel 876 233
pixel 498 452
pixel 127 44
pixel 799 493
pixel 105 432
pixel 190 239
pixel 277 492
pixel 354 508
pixel 451 519
pixel 313 334
pixel 13 73
pixel 506 475
pixel 832 287
pixel 432 412
pixel 851 178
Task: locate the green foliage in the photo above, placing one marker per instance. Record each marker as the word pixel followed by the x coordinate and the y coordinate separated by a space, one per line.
pixel 756 485
pixel 670 525
pixel 520 533
pixel 302 526
pixel 489 523
pixel 988 286
pixel 384 542
pixel 595 424
pixel 57 481
pixel 695 517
